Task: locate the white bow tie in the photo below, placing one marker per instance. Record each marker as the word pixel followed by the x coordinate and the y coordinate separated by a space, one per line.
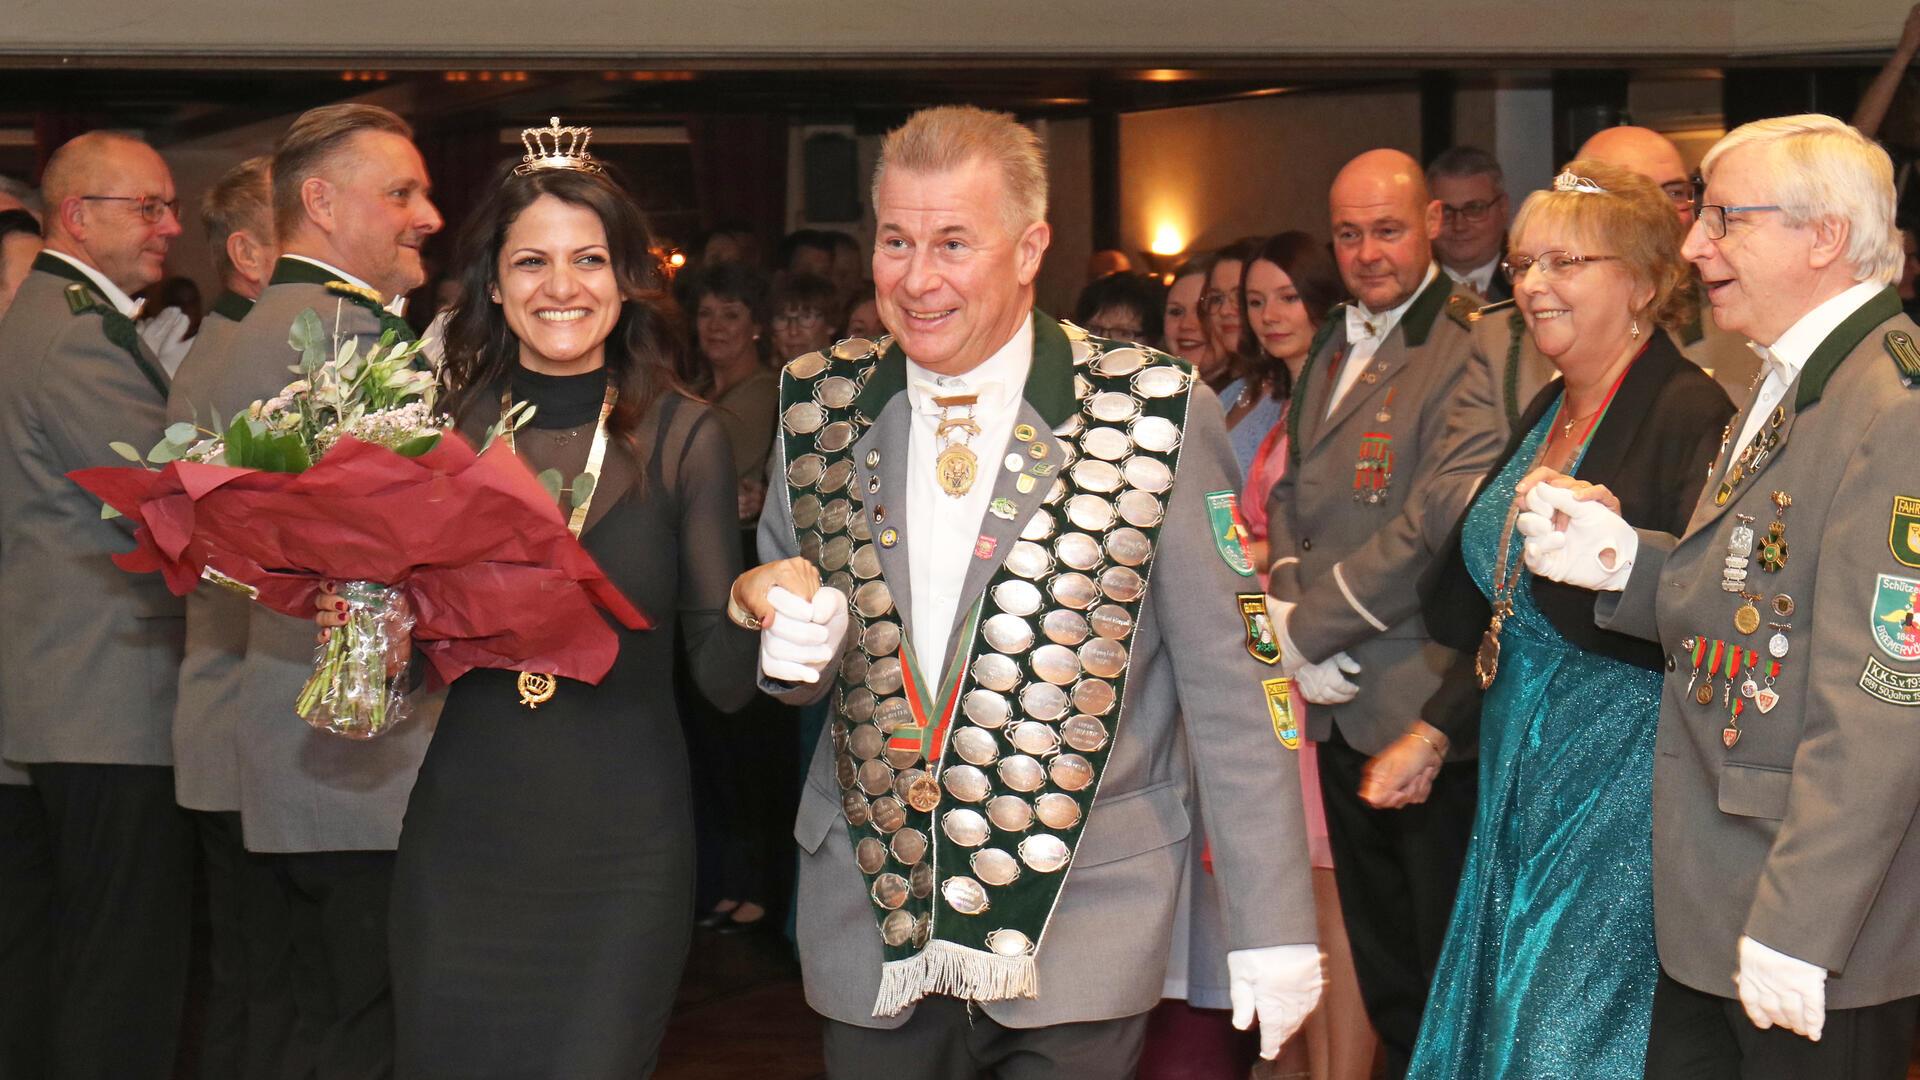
pixel 1361 326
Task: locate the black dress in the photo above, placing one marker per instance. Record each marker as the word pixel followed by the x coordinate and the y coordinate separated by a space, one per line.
pixel 543 893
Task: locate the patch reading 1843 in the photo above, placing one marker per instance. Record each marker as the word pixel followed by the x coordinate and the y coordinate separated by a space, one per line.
pixel 1896 617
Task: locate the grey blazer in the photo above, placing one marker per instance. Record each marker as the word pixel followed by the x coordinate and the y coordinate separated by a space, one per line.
pixel 1194 706
pixel 1802 835
pixel 301 789
pixel 1351 565
pixel 206 766
pixel 88 652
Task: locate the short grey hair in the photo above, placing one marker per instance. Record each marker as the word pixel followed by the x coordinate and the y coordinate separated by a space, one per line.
pixel 1823 167
pixel 1460 162
pixel 952 136
pixel 28 195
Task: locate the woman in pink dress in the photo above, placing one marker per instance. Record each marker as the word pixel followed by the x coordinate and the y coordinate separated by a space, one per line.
pixel 1287 288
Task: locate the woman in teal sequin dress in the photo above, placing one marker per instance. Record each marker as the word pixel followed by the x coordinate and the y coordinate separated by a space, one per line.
pixel 1549 964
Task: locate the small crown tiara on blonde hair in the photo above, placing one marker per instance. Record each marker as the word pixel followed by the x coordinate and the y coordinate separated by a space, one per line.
pixel 1566 181
pixel 556 147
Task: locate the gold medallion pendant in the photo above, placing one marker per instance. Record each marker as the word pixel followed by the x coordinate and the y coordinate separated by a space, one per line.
pixel 955 468
pixel 536 688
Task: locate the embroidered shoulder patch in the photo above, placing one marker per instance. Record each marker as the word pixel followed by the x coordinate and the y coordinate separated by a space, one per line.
pixel 1262 645
pixel 1229 531
pixel 1896 617
pixel 1903 533
pixel 1280 710
pixel 1890 686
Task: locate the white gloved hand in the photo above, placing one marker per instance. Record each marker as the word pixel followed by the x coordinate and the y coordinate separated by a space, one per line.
pixel 1280 983
pixel 1593 550
pixel 1280 613
pixel 1777 989
pixel 166 335
pixel 804 637
pixel 1326 682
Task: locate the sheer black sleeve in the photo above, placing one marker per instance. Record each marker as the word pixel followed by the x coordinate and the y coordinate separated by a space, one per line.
pixel 696 466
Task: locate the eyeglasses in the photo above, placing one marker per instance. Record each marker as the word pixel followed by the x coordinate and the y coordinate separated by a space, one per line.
pixel 1472 213
pixel 804 319
pixel 1714 218
pixel 1680 192
pixel 1116 331
pixel 1214 301
pixel 1554 265
pixel 152 207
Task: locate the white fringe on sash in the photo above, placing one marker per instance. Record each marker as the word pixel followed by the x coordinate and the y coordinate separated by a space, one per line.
pixel 945 968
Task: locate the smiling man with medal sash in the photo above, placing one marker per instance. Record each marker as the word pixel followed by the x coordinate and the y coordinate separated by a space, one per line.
pixel 1787 778
pixel 1032 640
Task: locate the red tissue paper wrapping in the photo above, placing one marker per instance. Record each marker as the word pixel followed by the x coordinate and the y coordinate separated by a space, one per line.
pixel 494 577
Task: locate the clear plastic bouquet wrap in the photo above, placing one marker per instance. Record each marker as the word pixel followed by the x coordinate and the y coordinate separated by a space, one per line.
pixel 349 475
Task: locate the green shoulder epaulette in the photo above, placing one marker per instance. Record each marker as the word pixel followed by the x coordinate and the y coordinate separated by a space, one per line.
pixel 1461 310
pixel 80 299
pixel 1906 355
pixel 1494 308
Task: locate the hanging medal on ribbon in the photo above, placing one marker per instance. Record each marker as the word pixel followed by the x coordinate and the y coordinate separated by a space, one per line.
pixel 932 713
pixel 1766 698
pixel 955 466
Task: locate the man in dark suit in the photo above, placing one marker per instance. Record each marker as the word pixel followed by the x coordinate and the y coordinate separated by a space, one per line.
pixel 90 653
pixel 350 210
pixel 1473 219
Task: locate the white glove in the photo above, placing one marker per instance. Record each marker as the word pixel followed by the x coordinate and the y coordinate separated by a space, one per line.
pixel 1326 682
pixel 1776 989
pixel 1281 983
pixel 803 638
pixel 1280 613
pixel 166 335
pixel 1594 551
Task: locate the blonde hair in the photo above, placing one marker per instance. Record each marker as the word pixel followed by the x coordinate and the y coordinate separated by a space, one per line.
pixel 240 201
pixel 1823 168
pixel 1628 218
pixel 952 136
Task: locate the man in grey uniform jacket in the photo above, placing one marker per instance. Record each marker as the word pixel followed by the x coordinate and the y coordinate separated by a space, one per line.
pixel 350 207
pixel 963 905
pixel 1787 775
pixel 1383 460
pixel 89 652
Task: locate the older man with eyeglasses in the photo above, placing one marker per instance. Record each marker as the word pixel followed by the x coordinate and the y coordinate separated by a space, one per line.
pixel 1786 854
pixel 90 654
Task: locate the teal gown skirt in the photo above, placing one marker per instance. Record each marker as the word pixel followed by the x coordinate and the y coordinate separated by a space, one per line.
pixel 1549 965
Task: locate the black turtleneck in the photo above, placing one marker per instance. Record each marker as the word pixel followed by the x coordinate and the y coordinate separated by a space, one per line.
pixel 561 401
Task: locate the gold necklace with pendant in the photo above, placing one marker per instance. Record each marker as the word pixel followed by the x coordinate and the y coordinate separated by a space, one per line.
pixel 956 466
pixel 538 687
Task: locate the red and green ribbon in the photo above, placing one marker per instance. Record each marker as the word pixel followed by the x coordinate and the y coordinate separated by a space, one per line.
pixel 928 731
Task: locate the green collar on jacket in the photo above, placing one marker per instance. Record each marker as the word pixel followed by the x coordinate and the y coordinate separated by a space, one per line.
pixel 1417 323
pixel 231 305
pixel 1844 339
pixel 1049 386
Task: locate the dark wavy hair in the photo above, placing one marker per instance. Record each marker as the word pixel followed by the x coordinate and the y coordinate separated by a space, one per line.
pixel 727 281
pixel 1310 265
pixel 643 351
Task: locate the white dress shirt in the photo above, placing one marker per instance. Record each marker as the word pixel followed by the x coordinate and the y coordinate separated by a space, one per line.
pixel 1365 332
pixel 1783 359
pixel 941 529
pixel 124 304
pixel 1479 279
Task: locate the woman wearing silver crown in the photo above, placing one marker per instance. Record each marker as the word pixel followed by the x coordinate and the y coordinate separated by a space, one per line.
pixel 541 905
pixel 1548 967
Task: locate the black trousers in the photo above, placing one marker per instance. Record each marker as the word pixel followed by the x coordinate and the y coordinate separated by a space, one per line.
pixel 26 932
pixel 946 1040
pixel 1700 1036
pixel 1397 872
pixel 248 1028
pixel 122 919
pixel 342 989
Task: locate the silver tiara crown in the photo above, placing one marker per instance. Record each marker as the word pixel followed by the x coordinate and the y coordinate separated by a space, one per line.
pixel 1566 181
pixel 556 147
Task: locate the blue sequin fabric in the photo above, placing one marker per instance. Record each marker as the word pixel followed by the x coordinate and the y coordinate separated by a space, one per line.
pixel 1549 963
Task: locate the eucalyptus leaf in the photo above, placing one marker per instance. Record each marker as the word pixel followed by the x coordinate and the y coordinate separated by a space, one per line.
pixel 550 479
pixel 165 452
pixel 417 446
pixel 108 513
pixel 309 338
pixel 583 487
pixel 182 432
pixel 126 450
